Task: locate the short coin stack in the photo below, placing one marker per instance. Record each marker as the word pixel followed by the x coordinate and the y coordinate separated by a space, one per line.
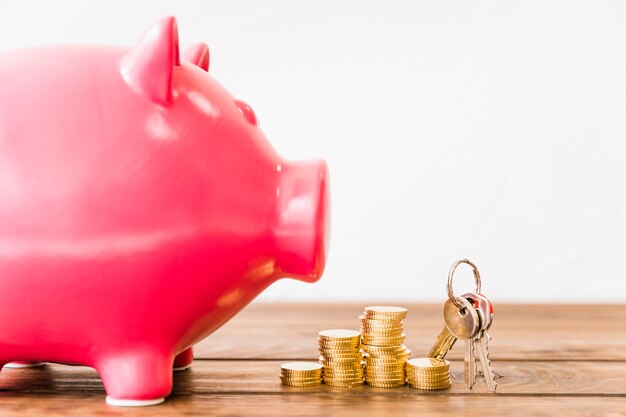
pixel 301 374
pixel 428 373
pixel 341 357
pixel 382 340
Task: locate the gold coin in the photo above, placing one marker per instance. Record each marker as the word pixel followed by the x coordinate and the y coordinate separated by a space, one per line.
pixel 384 365
pixel 385 379
pixel 400 357
pixel 301 367
pixel 300 374
pixel 428 363
pixel 290 381
pixel 387 365
pixel 379 329
pixel 340 351
pixel 335 356
pixel 422 373
pixel 389 340
pixel 381 362
pixel 427 376
pixel 384 341
pixel 387 370
pixel 431 387
pixel 340 384
pixel 429 383
pixel 380 343
pixel 389 336
pixel 355 364
pixel 385 311
pixel 343 371
pixel 346 380
pixel 338 334
pixel 301 384
pixel 342 364
pixel 330 370
pixel 433 369
pixel 387 356
pixel 371 371
pixel 385 384
pixel 397 349
pixel 381 324
pixel 337 371
pixel 338 345
pixel 380 321
pixel 379 382
pixel 341 359
pixel 345 375
pixel 384 338
pixel 340 341
pixel 303 379
pixel 427 370
pixel 369 332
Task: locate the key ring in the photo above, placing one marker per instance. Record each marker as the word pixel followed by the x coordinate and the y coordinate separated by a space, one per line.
pixel 451 295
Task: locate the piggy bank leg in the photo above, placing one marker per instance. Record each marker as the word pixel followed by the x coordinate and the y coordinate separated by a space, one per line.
pixel 136 380
pixel 183 360
pixel 23 364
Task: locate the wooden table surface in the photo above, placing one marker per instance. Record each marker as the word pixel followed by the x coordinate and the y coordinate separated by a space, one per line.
pixel 565 360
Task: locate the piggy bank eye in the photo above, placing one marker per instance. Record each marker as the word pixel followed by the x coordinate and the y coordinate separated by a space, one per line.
pixel 247 111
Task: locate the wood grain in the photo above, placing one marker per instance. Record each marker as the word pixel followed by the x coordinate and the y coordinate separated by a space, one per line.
pixel 520 332
pixel 221 405
pixel 550 360
pixel 261 377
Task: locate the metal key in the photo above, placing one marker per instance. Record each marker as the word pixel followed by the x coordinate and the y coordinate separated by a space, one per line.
pixel 469 357
pixel 460 323
pixel 480 341
pixel 485 314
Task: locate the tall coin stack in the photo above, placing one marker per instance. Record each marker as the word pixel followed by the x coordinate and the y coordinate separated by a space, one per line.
pixel 341 357
pixel 428 373
pixel 301 374
pixel 382 340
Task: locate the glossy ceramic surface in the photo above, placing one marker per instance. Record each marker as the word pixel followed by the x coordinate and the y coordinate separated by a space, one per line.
pixel 140 208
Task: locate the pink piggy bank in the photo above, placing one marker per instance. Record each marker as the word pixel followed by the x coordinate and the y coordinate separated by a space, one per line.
pixel 140 208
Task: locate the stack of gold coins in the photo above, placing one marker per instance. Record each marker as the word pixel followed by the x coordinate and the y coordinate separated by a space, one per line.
pixel 341 357
pixel 301 374
pixel 428 373
pixel 382 340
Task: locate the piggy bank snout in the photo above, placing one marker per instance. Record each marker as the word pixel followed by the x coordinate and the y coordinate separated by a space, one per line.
pixel 302 230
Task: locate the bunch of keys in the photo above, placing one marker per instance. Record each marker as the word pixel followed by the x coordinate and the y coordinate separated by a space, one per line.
pixel 467 318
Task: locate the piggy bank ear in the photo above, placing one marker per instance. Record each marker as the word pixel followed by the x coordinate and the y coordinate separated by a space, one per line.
pixel 198 55
pixel 148 67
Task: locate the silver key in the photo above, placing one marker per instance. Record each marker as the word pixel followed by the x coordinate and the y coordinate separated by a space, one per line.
pixel 469 364
pixel 458 324
pixel 482 306
pixel 480 348
pixel 480 341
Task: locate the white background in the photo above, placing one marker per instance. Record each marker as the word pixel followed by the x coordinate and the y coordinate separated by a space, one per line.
pixel 494 130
